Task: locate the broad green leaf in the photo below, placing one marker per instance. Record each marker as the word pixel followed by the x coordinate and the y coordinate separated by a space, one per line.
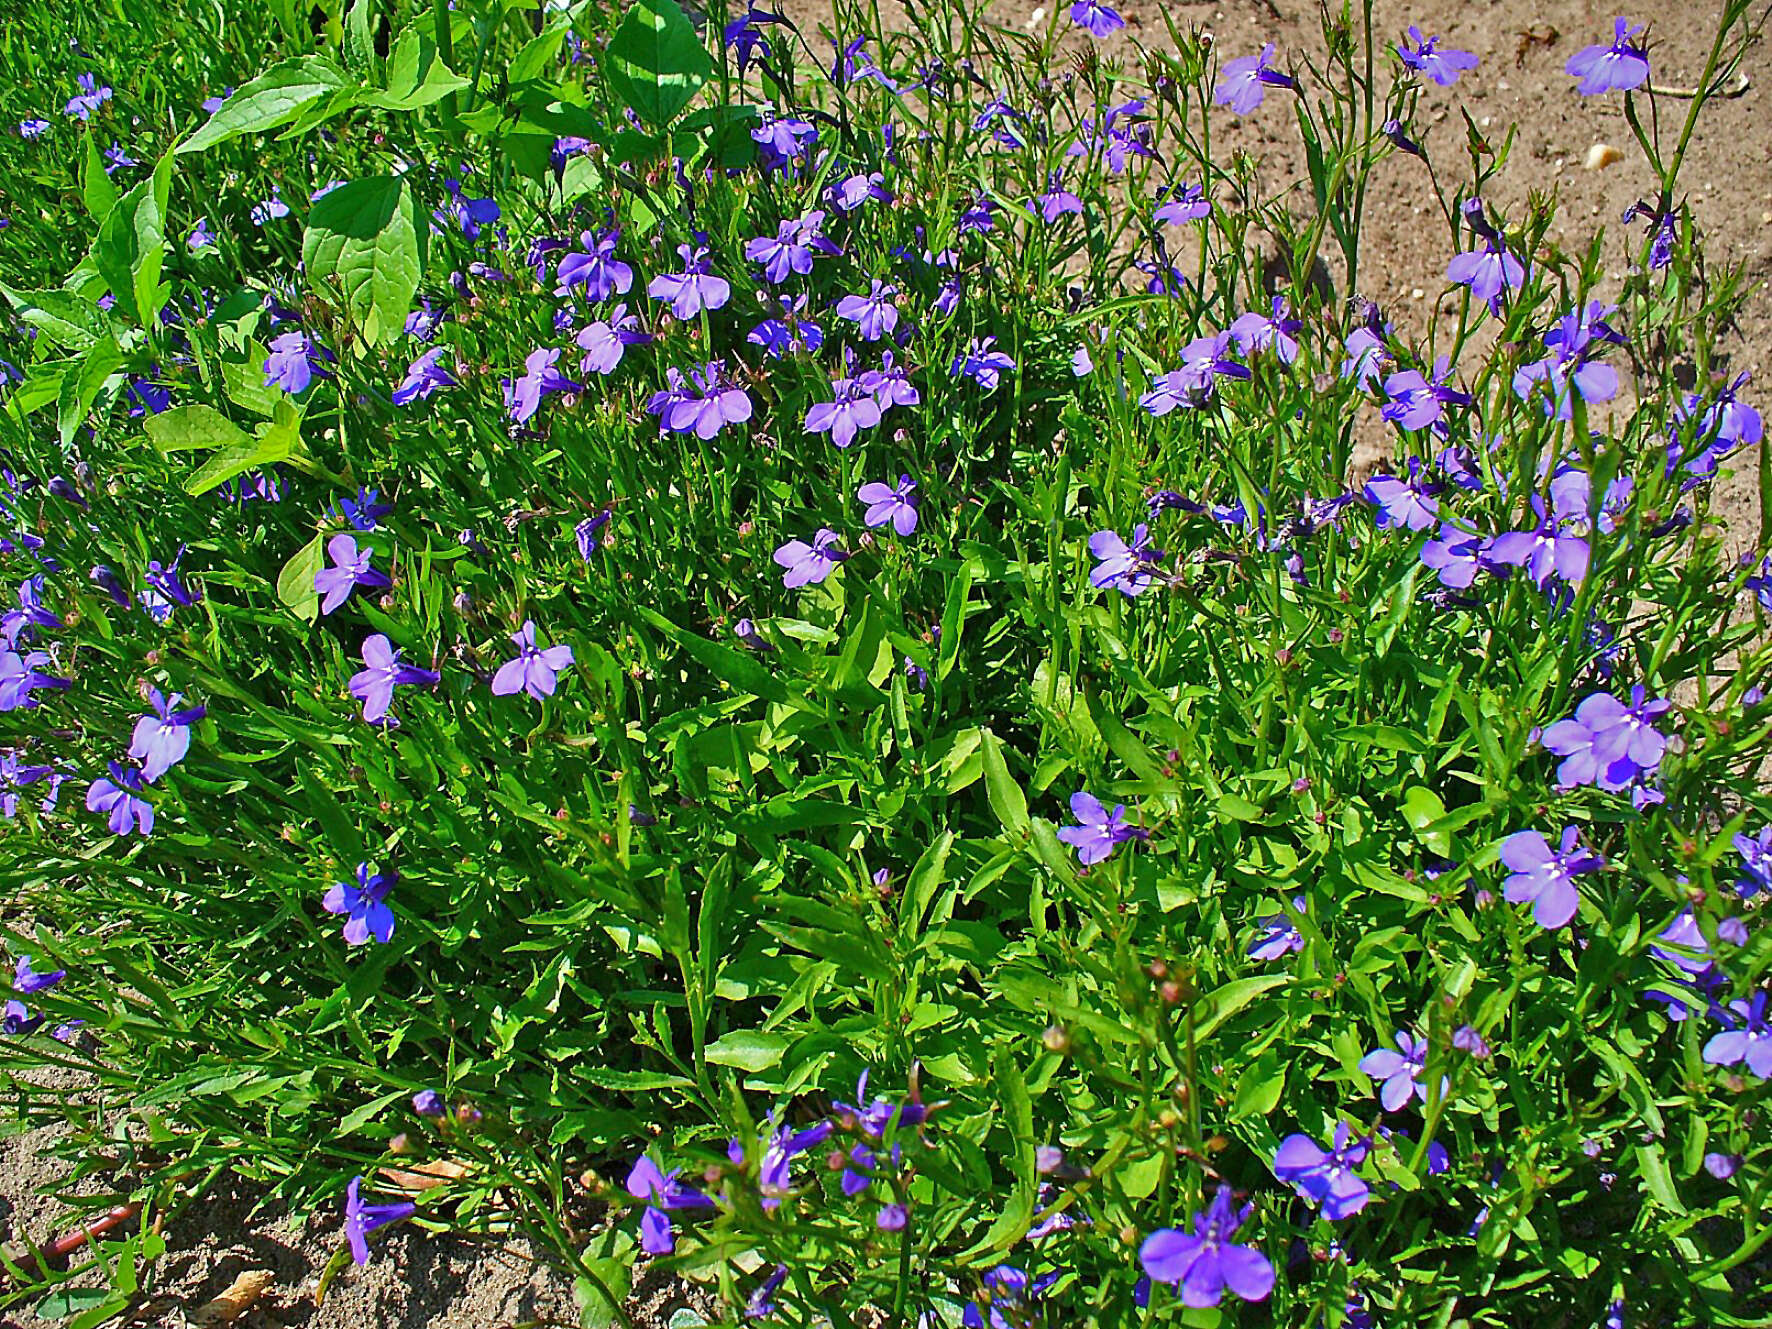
pixel 97 191
pixel 745 673
pixel 748 1050
pixel 131 245
pixel 655 62
pixel 295 584
pixel 1422 809
pixel 362 242
pixel 61 316
pixel 1005 795
pixel 81 389
pixel 359 39
pixel 416 76
pixel 274 98
pixel 275 442
pixel 186 427
pixel 1222 1003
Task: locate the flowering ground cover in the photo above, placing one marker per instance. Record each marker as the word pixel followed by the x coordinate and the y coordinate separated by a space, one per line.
pixel 755 647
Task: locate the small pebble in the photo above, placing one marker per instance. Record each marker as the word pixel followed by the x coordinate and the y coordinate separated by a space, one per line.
pixel 1417 293
pixel 1602 155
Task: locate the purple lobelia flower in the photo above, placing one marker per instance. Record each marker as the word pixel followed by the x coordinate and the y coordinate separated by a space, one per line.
pixel 782 140
pixel 605 341
pixel 775 1178
pixel 1165 278
pixel 19 674
pixel 1056 201
pixel 1126 568
pixel 428 1103
pixel 534 669
pixel 702 405
pixel 424 376
pixel 1121 136
pixel 91 95
pixel 33 128
pixel 29 614
pixel 13 778
pixel 1400 1071
pixel 523 395
pixel 663 1192
pixel 162 739
pixel 384 671
pixel 895 504
pixel 364 904
pixel 1488 272
pixel 853 408
pixel 1098 832
pixel 1615 68
pixel 1254 332
pixel 744 35
pixel 1095 18
pixel 874 314
pixel 116 157
pixel 470 214
pixel 1424 57
pixel 1243 82
pixel 1455 555
pixel 1728 422
pixel 268 210
pixel 293 362
pixel 695 288
pixel 978 216
pixel 1607 743
pixel 1748 1043
pixel 790 332
pixel 1325 1177
pixel 849 193
pixel 361 1219
pixel 1661 228
pixel 981 363
pixel 363 511
pixel 1571 343
pixel 1279 935
pixel 1756 862
pixel 890 383
pixel 1722 1166
pixel 809 564
pixel 1204 1262
pixel 791 248
pixel 27 980
pixel 119 797
pixel 1368 351
pixel 1203 362
pixel 1545 552
pixel 1416 402
pixel 1007 1298
pixel 596 268
pixel 1181 204
pixel 1410 504
pixel 1544 876
pixel 351 569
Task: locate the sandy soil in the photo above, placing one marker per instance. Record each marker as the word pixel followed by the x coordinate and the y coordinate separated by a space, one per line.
pixel 421 1281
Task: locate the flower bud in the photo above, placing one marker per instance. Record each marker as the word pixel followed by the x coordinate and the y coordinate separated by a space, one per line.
pixel 1056 1039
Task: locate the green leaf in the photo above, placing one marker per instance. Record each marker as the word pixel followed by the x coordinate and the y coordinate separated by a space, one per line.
pixel 131 245
pixel 747 1049
pixel 362 239
pixel 745 673
pixel 1005 795
pixel 70 1301
pixel 416 76
pixel 96 190
pixel 1422 809
pixel 61 316
pixel 655 62
pixel 1387 736
pixel 275 442
pixel 359 42
pixel 274 98
pixel 186 427
pixel 361 1116
pixel 1222 1003
pixel 81 389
